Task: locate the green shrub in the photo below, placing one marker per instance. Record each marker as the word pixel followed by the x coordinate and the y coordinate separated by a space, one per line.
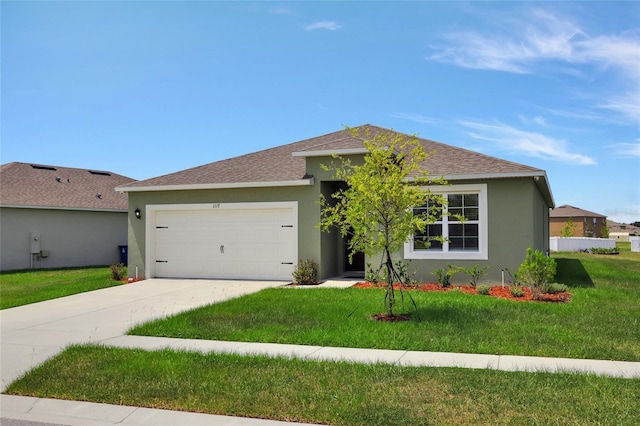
pixel 404 276
pixel 373 276
pixel 475 272
pixel 306 272
pixel 516 291
pixel 601 250
pixel 118 271
pixel 536 271
pixel 554 288
pixel 483 289
pixel 445 275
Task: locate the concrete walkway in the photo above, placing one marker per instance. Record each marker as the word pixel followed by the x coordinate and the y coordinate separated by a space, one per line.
pixel 33 333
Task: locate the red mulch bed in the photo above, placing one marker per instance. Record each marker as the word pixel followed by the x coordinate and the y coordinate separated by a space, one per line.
pixel 495 291
pixel 131 280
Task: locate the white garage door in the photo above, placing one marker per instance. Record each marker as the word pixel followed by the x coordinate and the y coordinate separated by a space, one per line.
pixel 232 243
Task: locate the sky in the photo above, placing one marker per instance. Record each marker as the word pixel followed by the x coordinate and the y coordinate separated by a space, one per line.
pixel 148 88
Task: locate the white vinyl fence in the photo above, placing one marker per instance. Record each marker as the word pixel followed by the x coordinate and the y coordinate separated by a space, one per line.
pixel 579 244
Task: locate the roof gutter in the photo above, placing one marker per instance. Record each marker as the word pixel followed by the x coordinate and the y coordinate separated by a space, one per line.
pixel 231 185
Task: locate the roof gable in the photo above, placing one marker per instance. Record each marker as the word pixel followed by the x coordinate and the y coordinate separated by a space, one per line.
pixel 286 164
pixel 37 185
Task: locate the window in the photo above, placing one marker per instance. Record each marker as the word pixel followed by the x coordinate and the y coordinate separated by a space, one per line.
pixel 460 234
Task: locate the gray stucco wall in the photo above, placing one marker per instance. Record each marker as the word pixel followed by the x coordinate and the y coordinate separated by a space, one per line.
pixel 517 219
pixel 72 238
pixel 308 212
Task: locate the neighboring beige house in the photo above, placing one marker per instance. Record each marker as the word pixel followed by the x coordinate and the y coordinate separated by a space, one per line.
pixel 621 231
pixel 254 216
pixel 53 217
pixel 585 223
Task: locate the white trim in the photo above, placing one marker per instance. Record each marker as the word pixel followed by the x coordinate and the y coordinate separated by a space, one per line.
pixel 152 209
pixel 330 153
pixel 81 209
pixel 483 225
pixel 471 176
pixel 301 182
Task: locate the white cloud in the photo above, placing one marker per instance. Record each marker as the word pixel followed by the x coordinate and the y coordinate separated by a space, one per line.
pixel 627 104
pixel 526 143
pixel 545 38
pixel 418 118
pixel 540 121
pixel 628 148
pixel 323 25
pixel 549 38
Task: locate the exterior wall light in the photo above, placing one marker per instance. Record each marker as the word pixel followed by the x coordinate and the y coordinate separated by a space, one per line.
pixel 137 213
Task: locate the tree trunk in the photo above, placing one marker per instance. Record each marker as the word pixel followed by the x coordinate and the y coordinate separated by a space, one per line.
pixel 390 291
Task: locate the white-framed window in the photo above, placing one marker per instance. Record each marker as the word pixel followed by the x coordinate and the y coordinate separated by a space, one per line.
pixel 460 239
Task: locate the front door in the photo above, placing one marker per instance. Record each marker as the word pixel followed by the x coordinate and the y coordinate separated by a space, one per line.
pixel 356 266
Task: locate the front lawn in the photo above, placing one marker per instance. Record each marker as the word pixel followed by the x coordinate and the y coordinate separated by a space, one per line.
pixel 23 287
pixel 336 393
pixel 601 322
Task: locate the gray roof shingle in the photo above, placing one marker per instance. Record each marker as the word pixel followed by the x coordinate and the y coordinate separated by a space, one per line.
pixel 34 185
pixel 279 165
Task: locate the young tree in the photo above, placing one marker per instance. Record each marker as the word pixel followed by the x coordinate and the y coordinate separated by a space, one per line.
pixel 377 205
pixel 604 233
pixel 568 229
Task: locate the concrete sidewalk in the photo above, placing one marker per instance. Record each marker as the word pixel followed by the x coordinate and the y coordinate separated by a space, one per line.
pixel 619 369
pixel 36 411
pixel 33 333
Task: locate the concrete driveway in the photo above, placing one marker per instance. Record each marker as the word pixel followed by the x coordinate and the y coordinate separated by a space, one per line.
pixel 33 333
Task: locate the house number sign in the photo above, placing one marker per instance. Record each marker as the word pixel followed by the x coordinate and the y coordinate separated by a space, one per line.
pixel 217 205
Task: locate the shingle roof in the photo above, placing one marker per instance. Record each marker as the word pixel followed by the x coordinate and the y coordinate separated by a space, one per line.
pixel 279 165
pixel 35 185
pixel 623 227
pixel 570 211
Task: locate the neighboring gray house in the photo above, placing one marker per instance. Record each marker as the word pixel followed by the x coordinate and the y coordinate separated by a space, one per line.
pixel 53 217
pixel 254 216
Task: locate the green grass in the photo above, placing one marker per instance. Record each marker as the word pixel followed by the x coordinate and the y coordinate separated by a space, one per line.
pixel 330 392
pixel 601 322
pixel 23 287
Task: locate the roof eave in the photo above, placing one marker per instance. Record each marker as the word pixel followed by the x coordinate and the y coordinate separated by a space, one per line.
pixel 231 185
pixel 81 209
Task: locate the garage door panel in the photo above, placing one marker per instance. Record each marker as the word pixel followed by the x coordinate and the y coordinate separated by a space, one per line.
pixel 256 243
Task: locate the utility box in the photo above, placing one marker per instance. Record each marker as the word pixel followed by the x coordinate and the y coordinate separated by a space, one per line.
pixel 635 243
pixel 35 242
pixel 123 254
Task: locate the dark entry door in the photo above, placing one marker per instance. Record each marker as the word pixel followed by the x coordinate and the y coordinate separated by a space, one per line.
pixel 357 261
